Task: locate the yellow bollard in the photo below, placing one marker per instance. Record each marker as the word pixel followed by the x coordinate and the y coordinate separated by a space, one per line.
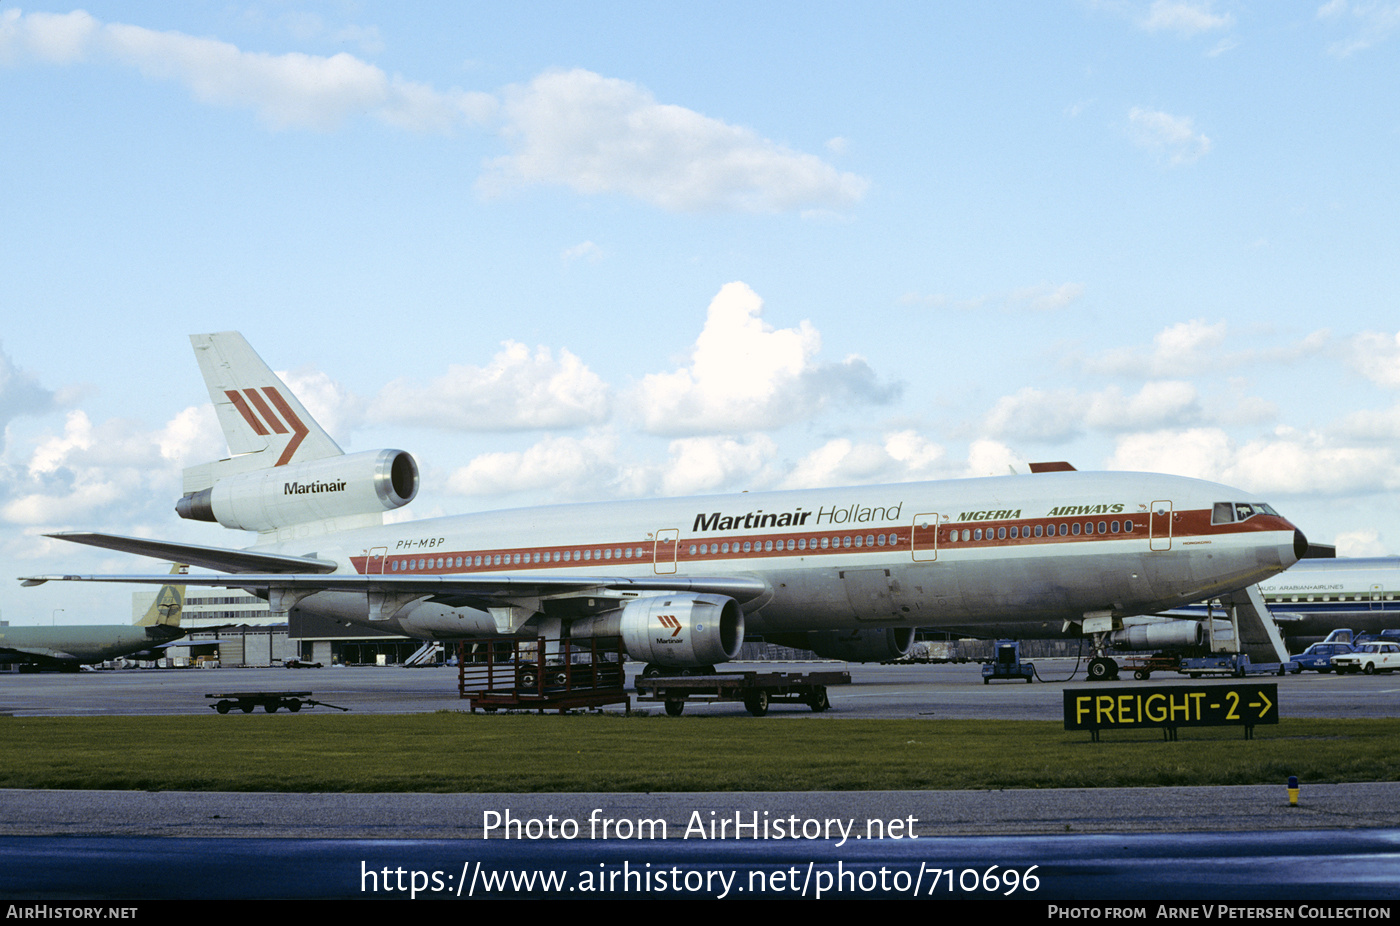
pixel 1292 790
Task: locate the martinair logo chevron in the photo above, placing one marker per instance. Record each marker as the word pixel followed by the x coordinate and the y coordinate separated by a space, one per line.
pixel 263 420
pixel 670 620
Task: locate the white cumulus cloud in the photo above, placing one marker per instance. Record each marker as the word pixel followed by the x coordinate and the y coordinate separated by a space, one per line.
pixel 602 135
pixel 1372 23
pixel 1186 19
pixel 20 394
pixel 287 90
pixel 745 375
pixel 1058 415
pixel 1289 462
pixel 1376 356
pixel 902 456
pixel 578 129
pixel 560 467
pixel 1172 137
pixel 518 390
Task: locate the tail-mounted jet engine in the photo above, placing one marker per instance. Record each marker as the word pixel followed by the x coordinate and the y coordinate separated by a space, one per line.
pixel 370 482
pixel 679 631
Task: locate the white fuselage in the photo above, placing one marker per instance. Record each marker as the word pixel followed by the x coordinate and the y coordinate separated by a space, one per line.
pixel 1038 549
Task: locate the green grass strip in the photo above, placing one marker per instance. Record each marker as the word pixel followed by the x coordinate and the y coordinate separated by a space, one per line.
pixel 458 752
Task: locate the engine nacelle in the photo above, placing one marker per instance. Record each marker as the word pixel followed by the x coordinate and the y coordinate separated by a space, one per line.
pixel 1168 635
pixel 672 630
pixel 370 482
pixel 860 645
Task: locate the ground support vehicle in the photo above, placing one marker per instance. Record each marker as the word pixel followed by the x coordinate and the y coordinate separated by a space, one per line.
pixel 1144 666
pixel 541 674
pixel 269 701
pixel 1318 657
pixel 1369 658
pixel 1237 665
pixel 1007 664
pixel 757 690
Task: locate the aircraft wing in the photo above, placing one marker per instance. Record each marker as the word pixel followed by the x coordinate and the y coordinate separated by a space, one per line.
pixel 218 558
pixel 462 591
pixel 286 580
pixel 43 652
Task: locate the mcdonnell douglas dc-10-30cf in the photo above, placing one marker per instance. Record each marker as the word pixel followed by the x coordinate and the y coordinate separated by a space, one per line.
pixel 847 573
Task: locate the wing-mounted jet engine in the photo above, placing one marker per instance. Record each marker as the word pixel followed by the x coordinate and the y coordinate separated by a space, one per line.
pixel 672 631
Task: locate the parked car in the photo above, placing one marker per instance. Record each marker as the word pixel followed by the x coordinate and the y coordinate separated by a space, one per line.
pixel 1369 658
pixel 1318 657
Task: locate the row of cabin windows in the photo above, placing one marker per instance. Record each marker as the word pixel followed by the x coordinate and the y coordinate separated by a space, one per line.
pixel 1018 531
pixel 829 542
pixel 517 559
pixel 1284 599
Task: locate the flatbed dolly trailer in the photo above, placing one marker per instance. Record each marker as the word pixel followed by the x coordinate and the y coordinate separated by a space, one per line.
pixel 270 701
pixel 757 690
pixel 1144 666
pixel 1234 665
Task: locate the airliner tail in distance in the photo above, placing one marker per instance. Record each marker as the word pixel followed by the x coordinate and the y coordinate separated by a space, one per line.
pixel 69 648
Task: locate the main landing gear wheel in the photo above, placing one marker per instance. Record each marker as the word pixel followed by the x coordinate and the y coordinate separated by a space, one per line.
pixel 757 703
pixel 1102 669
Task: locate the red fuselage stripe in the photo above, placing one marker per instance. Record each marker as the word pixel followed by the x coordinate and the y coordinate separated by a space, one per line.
pixel 1188 527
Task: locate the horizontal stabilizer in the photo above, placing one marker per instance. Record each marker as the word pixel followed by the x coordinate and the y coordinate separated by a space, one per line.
pixel 218 558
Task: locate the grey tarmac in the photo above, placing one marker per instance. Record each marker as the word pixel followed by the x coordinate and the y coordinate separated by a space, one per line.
pixel 906 691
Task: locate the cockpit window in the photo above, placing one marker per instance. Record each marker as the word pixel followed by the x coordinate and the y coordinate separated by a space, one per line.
pixel 1229 512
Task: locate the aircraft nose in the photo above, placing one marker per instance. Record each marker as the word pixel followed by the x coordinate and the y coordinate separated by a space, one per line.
pixel 1300 545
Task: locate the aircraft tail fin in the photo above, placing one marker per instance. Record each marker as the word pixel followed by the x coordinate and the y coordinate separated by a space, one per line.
pixel 258 413
pixel 170 602
pixel 285 470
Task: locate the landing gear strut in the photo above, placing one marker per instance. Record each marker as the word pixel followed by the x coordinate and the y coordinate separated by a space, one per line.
pixel 1102 668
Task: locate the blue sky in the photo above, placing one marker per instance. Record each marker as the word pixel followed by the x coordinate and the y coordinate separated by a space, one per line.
pixel 572 251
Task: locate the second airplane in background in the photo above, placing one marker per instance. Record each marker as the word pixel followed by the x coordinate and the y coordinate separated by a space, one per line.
pixel 848 573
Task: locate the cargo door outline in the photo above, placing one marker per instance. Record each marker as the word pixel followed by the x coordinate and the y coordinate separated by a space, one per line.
pixel 871 594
